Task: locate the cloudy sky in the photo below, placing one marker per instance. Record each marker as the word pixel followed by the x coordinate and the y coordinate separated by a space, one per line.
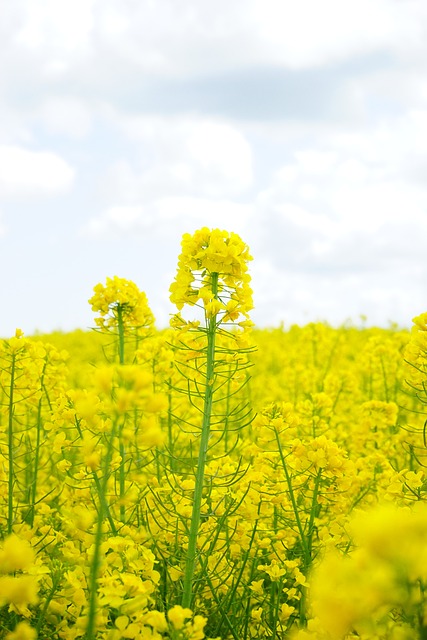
pixel 301 125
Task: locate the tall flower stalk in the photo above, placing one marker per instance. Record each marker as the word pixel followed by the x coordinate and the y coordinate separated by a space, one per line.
pixel 123 313
pixel 212 275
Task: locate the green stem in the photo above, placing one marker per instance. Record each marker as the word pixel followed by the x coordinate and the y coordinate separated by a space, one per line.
pixel 232 597
pixel 170 426
pixel 37 453
pixel 122 450
pixel 313 514
pixel 227 408
pixel 275 591
pixel 55 584
pixel 305 539
pixel 98 485
pixel 122 481
pixel 105 505
pixel 309 555
pixel 386 394
pixel 10 447
pixel 96 559
pixel 304 545
pixel 93 585
pixel 201 463
pixel 121 330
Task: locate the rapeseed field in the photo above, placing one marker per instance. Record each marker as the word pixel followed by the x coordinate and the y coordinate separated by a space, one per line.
pixel 212 480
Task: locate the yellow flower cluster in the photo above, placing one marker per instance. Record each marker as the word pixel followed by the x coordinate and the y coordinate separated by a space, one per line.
pixel 19 590
pixel 120 300
pixel 22 631
pixel 205 253
pixel 416 352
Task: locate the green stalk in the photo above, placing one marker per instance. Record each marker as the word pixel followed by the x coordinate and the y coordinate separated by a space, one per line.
pixel 170 425
pixel 306 539
pixel 386 393
pixel 122 451
pixel 275 591
pixel 313 514
pixel 304 544
pixel 10 448
pixel 93 583
pixel 309 539
pixel 37 452
pixel 98 485
pixel 121 330
pixel 96 560
pixel 227 408
pixel 104 502
pixel 56 579
pixel 201 462
pixel 232 597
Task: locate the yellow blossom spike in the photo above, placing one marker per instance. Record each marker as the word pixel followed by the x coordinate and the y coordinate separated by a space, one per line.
pixel 208 252
pixel 120 300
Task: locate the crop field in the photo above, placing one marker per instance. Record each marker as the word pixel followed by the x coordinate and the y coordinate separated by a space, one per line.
pixel 212 480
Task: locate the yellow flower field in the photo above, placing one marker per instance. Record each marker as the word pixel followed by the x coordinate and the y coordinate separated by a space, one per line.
pixel 212 480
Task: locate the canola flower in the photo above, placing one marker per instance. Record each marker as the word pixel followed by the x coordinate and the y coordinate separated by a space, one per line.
pixel 18 587
pixel 120 301
pixel 212 268
pixel 22 631
pixel 311 520
pixel 213 272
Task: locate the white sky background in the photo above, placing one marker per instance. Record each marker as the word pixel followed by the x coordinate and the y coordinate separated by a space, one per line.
pixel 302 126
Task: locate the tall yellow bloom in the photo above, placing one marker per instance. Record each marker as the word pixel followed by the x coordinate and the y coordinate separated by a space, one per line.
pixel 213 275
pixel 209 252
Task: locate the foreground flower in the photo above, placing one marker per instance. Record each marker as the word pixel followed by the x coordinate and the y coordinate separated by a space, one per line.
pixel 360 591
pixel 22 631
pixel 16 555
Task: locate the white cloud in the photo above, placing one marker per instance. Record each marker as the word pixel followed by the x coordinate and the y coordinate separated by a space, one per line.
pixel 187 38
pixel 358 181
pixel 309 33
pixel 182 38
pixel 67 116
pixel 199 156
pixel 298 216
pixel 222 153
pixel 297 298
pixel 32 173
pixel 120 218
pixel 56 26
pixel 2 228
pixel 173 216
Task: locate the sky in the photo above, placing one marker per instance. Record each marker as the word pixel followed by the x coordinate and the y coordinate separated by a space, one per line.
pixel 301 126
